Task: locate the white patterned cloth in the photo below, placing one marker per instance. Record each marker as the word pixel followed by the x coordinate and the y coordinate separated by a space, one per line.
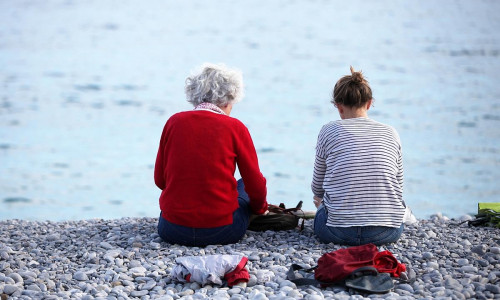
pixel 210 269
pixel 209 106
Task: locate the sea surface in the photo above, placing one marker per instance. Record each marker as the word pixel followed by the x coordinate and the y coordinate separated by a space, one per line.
pixel 86 87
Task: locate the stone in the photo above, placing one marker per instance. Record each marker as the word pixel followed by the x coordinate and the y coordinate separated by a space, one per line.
pixel 256 295
pixel 80 276
pixel 287 283
pixel 16 277
pixel 483 262
pixel 106 245
pixel 433 265
pixel 149 285
pixel 138 271
pixel 480 249
pixel 234 291
pixel 495 250
pixel 186 292
pixel 493 288
pixel 10 289
pixel 139 293
pixel 405 287
pixel 313 297
pixel 468 269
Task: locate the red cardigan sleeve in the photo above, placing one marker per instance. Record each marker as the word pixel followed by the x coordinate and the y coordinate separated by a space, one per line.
pixel 160 161
pixel 248 165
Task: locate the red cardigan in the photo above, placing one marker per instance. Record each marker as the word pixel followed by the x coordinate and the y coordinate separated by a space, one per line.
pixel 195 169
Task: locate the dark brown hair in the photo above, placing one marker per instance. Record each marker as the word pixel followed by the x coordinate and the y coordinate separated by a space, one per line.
pixel 352 90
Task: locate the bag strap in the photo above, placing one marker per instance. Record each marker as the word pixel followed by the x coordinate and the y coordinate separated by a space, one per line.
pixel 290 275
pixel 367 270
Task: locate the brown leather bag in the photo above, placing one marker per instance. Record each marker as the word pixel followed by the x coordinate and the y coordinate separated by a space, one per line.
pixel 278 218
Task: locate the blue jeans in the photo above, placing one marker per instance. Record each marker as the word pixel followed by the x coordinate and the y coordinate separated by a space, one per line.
pixel 355 235
pixel 200 237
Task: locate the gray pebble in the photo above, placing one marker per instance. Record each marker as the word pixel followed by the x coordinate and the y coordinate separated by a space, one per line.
pixel 149 285
pixel 252 280
pixel 480 249
pixel 314 297
pixel 186 292
pixel 139 293
pixel 406 287
pixel 106 245
pixel 493 288
pixel 33 287
pixel 483 262
pixel 16 277
pixel 495 250
pixel 468 269
pixel 80 276
pixel 10 289
pixel 194 286
pixel 257 296
pixel 9 280
pixel 433 265
pixel 233 291
pixel 288 283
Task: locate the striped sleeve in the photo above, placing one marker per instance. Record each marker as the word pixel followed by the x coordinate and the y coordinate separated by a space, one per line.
pixel 319 166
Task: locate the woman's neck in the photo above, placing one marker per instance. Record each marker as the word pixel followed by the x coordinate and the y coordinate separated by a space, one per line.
pixel 348 112
pixel 351 113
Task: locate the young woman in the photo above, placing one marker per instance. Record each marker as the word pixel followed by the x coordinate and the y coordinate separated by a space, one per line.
pixel 358 172
pixel 201 202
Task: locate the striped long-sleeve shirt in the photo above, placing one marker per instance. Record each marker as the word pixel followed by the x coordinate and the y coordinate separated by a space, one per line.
pixel 358 173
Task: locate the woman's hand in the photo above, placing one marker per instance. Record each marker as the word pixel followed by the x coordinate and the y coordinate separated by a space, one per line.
pixel 317 201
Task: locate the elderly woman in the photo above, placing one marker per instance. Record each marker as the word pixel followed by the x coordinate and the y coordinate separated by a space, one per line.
pixel 358 172
pixel 201 202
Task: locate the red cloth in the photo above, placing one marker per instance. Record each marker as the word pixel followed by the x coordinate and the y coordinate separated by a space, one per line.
pixel 240 274
pixel 337 265
pixel 195 169
pixel 385 262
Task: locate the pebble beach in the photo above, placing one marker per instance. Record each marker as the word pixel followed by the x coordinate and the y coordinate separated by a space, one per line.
pixel 125 259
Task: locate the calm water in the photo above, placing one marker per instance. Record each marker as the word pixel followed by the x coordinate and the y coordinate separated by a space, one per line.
pixel 87 86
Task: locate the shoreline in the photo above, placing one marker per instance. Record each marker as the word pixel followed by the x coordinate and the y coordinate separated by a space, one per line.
pixel 124 258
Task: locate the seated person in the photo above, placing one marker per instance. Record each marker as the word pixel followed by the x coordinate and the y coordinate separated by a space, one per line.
pixel 358 172
pixel 201 202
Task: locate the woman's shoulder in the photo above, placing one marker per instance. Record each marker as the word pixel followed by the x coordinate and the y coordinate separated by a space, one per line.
pixel 331 125
pixel 387 128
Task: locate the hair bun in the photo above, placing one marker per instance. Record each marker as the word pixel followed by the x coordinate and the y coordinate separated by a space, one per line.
pixel 356 76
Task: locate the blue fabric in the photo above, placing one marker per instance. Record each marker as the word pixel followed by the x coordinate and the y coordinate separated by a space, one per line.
pixel 355 235
pixel 200 237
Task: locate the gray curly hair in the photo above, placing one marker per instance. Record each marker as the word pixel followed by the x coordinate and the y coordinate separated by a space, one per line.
pixel 216 84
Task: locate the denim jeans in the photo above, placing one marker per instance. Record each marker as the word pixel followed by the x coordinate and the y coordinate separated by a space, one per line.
pixel 355 235
pixel 200 237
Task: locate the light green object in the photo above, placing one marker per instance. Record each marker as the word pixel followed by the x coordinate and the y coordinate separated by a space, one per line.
pixel 488 213
pixel 489 205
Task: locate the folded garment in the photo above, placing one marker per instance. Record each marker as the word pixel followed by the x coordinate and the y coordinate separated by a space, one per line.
pixel 211 269
pixel 409 218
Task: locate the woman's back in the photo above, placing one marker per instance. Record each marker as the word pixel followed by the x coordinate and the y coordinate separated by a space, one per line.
pixel 363 176
pixel 358 172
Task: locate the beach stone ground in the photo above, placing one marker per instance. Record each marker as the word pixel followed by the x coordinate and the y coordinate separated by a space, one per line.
pixel 126 259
